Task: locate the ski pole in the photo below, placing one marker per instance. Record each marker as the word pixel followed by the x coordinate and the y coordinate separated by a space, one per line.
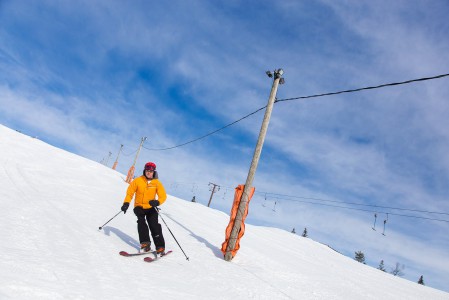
pixel 101 227
pixel 157 209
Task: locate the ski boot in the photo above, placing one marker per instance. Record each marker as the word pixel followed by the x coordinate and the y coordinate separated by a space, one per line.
pixel 145 247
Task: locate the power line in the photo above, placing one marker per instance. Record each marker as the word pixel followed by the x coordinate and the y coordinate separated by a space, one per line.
pixel 286 197
pixel 368 210
pixel 297 98
pixel 130 153
pixel 281 197
pixel 388 213
pixel 204 136
pixel 361 209
pixel 365 88
pixel 374 211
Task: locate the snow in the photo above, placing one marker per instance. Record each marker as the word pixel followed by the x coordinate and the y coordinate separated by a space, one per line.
pixel 53 203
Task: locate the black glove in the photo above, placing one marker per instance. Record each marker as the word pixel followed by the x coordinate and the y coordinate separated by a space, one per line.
pixel 154 203
pixel 125 207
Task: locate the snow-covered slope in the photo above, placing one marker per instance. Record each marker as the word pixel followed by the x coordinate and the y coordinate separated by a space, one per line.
pixel 52 203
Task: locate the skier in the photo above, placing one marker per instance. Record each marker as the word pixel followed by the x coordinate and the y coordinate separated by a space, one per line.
pixel 145 188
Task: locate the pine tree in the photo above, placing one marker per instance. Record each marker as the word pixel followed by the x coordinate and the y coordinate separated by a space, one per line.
pixel 360 257
pixel 397 271
pixel 381 266
pixel 304 233
pixel 421 280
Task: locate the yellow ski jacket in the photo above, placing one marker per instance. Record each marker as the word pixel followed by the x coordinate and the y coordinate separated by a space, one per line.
pixel 145 190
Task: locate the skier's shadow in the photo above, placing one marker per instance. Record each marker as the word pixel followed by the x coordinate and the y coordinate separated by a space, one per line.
pixel 123 236
pixel 217 251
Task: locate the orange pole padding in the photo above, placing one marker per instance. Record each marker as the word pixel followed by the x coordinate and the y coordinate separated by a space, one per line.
pixel 235 208
pixel 114 166
pixel 130 176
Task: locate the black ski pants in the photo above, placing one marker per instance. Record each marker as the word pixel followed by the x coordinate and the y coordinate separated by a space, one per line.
pixel 151 216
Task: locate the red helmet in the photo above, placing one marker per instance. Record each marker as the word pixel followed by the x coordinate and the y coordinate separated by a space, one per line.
pixel 150 166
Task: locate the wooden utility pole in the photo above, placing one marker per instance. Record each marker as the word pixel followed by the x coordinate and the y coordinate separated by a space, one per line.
pixel 213 191
pixel 249 180
pixel 130 176
pixel 116 160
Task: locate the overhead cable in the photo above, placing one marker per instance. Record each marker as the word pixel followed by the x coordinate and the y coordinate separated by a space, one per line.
pixel 365 88
pixel 204 136
pixel 298 98
pixel 375 211
pixel 125 154
pixel 288 198
pixel 282 197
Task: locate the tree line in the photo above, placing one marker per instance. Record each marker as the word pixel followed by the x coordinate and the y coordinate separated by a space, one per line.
pixel 397 270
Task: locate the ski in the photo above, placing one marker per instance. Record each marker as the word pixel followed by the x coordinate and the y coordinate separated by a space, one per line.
pixel 156 256
pixel 124 253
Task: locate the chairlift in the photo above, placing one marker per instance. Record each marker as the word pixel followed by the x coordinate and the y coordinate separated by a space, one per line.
pixel 224 194
pixel 385 222
pixel 375 219
pixel 174 186
pixel 193 189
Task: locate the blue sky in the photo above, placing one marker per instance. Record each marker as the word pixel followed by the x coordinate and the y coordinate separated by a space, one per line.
pixel 92 75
